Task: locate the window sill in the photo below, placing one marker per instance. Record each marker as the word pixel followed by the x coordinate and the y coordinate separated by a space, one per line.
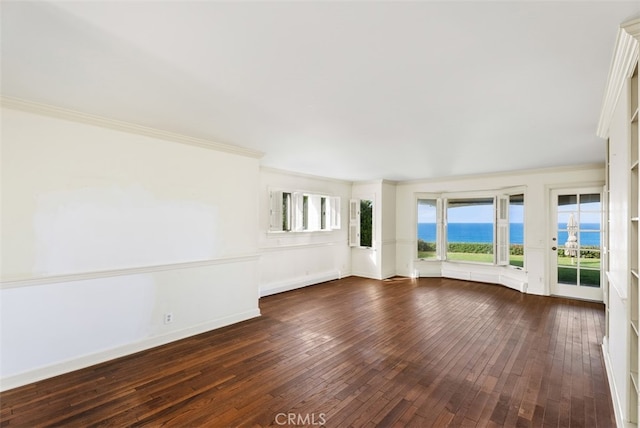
pixel 464 262
pixel 280 233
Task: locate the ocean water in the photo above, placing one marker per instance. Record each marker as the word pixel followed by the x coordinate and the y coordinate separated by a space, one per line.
pixel 483 232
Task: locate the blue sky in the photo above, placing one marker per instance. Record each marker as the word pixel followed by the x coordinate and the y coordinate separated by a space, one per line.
pixel 471 214
pixel 589 213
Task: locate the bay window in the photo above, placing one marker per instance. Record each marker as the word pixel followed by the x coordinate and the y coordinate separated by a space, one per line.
pixel 485 227
pixel 470 229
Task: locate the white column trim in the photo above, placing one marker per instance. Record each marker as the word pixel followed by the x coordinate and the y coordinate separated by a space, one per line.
pixel 625 56
pixel 117 125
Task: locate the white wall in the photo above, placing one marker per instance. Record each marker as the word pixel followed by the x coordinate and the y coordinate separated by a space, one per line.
pixel 104 231
pixel 536 185
pixel 388 235
pixel 290 260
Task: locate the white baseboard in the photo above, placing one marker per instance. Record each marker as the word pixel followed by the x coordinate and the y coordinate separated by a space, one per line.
pixel 515 283
pixel 455 274
pixel 41 373
pixel 615 397
pixel 292 284
pixel 487 277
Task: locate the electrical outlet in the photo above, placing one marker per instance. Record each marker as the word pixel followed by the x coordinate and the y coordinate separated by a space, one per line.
pixel 168 318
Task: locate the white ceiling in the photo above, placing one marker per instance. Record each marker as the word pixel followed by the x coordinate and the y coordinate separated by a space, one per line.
pixel 353 90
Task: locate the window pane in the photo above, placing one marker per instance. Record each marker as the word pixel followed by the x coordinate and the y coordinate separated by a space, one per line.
pixel 590 257
pixel 427 212
pixel 563 219
pixel 516 230
pixel 567 203
pixel 305 212
pixel 590 220
pixel 589 240
pixel 470 229
pixel 590 277
pixel 286 211
pixel 323 213
pixel 567 275
pixel 590 202
pixel 366 223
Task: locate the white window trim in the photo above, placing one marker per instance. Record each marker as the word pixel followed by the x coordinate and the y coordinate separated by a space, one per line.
pixel 354 222
pixel 355 219
pixel 440 223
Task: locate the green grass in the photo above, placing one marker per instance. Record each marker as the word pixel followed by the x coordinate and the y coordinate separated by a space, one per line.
pixel 471 257
pixel 516 261
pixel 584 263
pixel 589 278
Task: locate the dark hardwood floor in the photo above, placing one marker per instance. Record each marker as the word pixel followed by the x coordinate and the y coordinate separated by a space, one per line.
pixel 353 352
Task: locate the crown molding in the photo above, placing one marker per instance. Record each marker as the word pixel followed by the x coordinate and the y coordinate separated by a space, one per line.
pixel 509 173
pixel 295 174
pixel 625 56
pixel 117 125
pixel 380 181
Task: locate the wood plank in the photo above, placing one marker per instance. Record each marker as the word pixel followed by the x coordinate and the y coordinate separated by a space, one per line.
pixel 354 352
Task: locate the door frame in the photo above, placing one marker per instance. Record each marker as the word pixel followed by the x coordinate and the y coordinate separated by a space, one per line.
pixel 570 291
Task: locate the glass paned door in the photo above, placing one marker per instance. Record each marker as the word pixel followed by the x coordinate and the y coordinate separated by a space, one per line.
pixel 576 243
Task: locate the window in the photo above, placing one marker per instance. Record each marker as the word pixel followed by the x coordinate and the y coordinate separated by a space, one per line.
pixel 470 229
pixel 361 223
pixel 303 212
pixel 334 213
pixel 366 223
pixel 516 230
pixel 427 228
pixel 323 213
pixel 286 212
pixel 579 237
pixel 479 228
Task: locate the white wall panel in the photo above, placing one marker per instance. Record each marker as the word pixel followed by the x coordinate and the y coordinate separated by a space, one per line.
pixel 618 340
pixel 618 350
pixel 56 327
pixel 619 194
pixel 104 231
pixel 80 198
